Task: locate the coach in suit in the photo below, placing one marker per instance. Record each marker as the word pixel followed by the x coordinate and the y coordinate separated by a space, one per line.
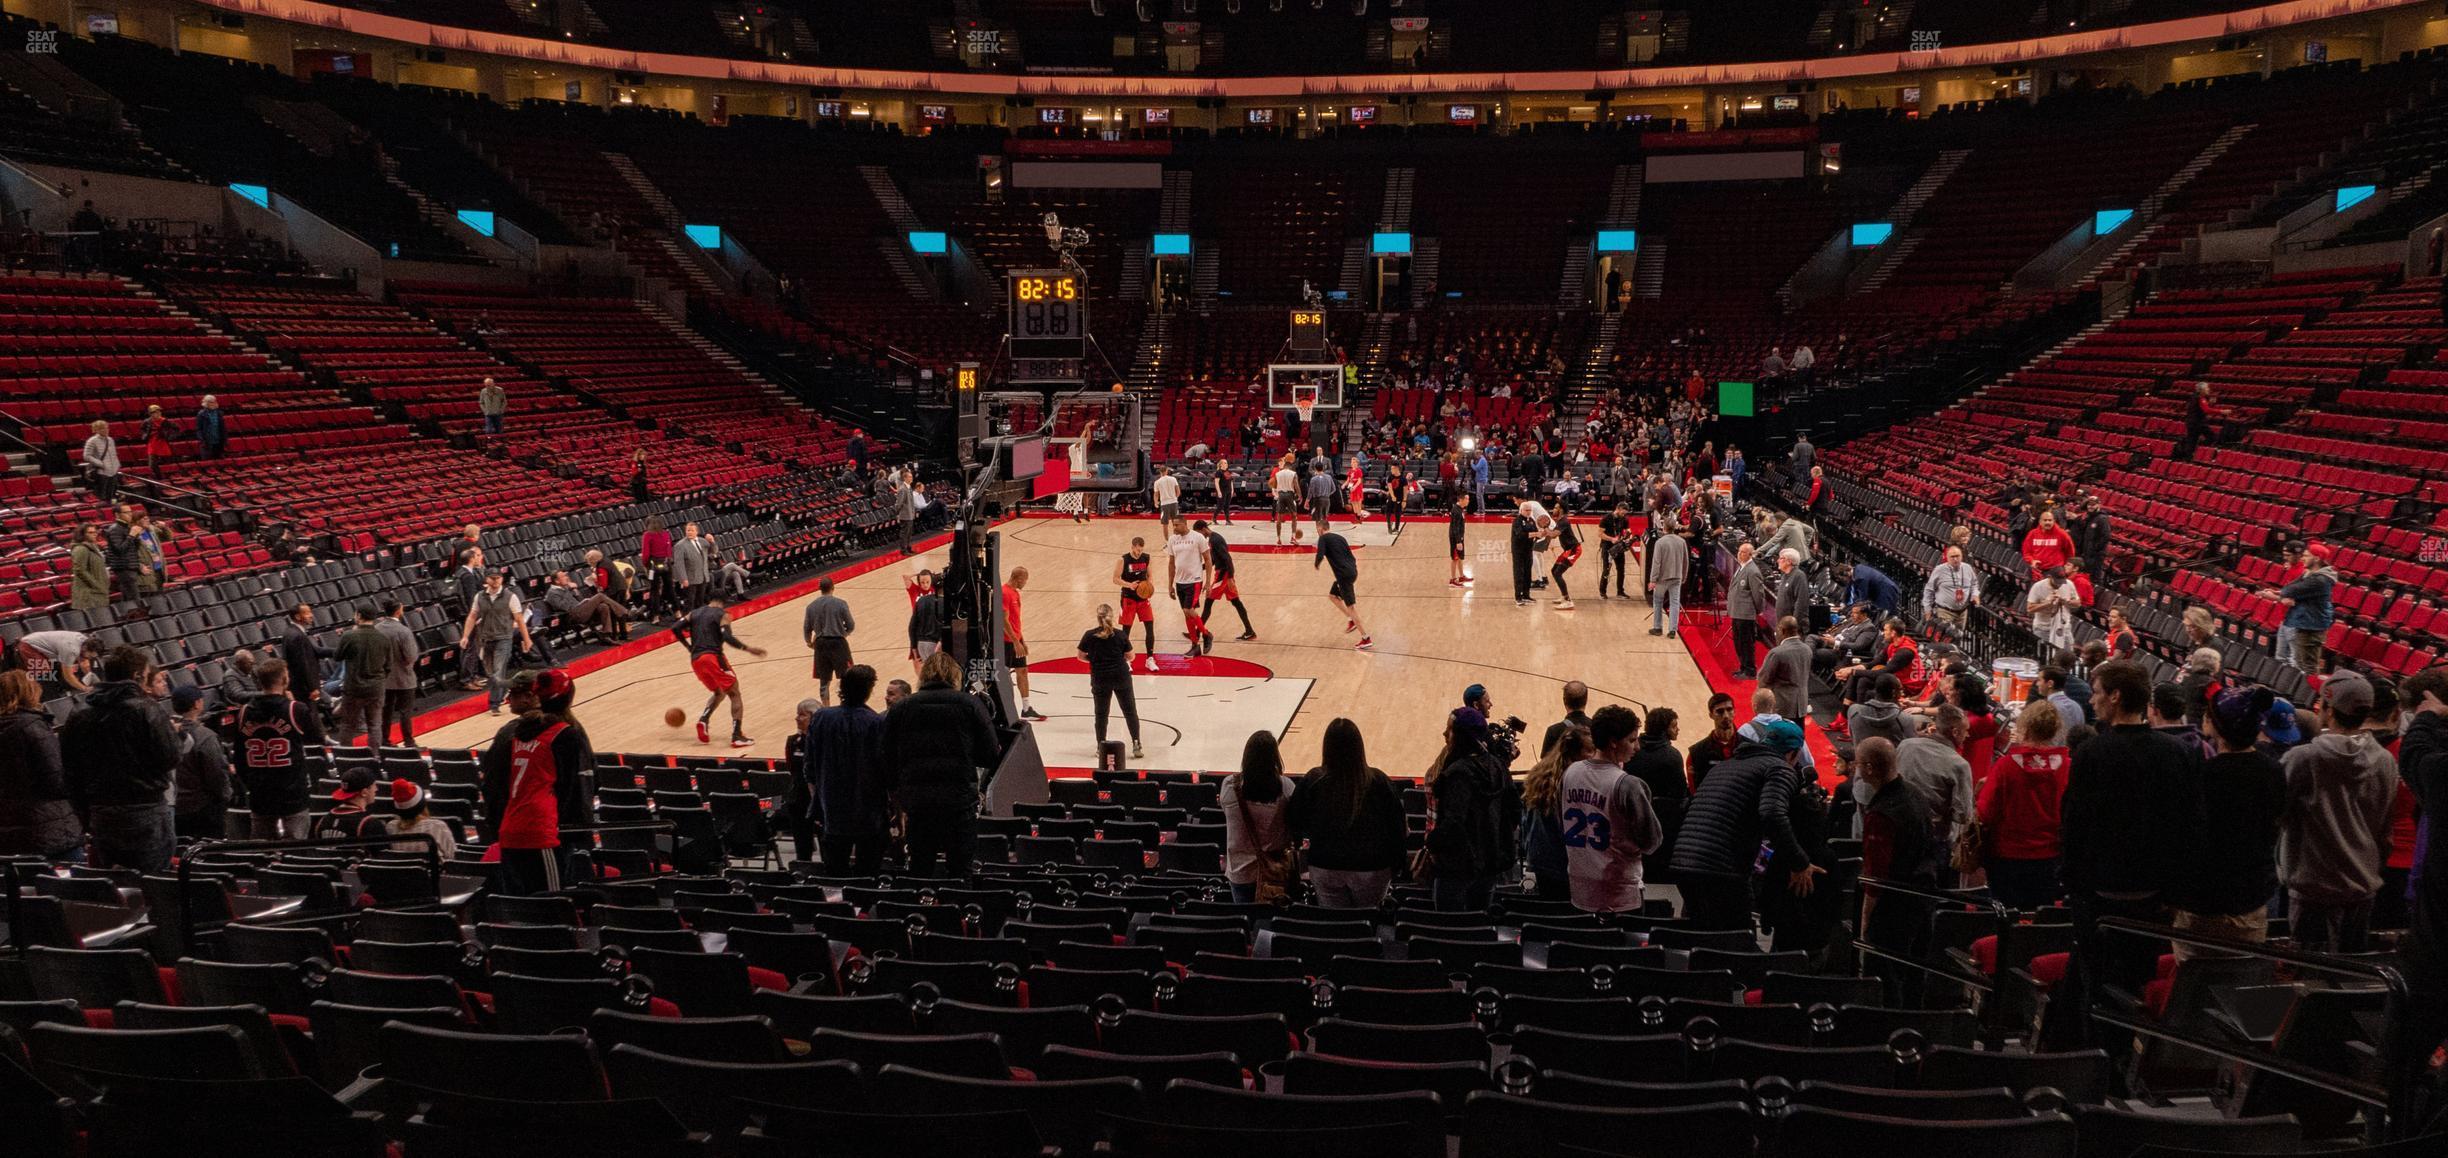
pixel 1747 596
pixel 1787 671
pixel 1793 588
pixel 692 567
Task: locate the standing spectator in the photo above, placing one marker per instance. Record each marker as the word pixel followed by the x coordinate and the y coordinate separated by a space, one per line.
pixel 2091 532
pixel 2058 689
pixel 2333 836
pixel 2120 642
pixel 1167 492
pixel 496 627
pixel 926 621
pixel 906 503
pixel 1256 802
pixel 2127 818
pixel 155 433
pixel 1787 671
pixel 1352 820
pixel 1658 765
pixel 494 404
pixel 639 489
pixel 2019 810
pixel 89 569
pixel 1805 456
pixel 211 429
pixel 692 564
pixel 1748 596
pixel 537 777
pixel 1899 844
pixel 1609 820
pixel 467 582
pixel 655 558
pixel 1479 480
pixel 400 685
pixel 1716 747
pixel 2226 889
pixel 152 560
pixel 1576 715
pixel 1952 591
pixel 2051 601
pixel 1744 801
pixel 2308 609
pixel 1801 364
pixel 1470 838
pixel 273 732
pixel 1542 831
pixel 119 751
pixel 1223 491
pixel 846 776
pixel 101 463
pixel 1772 367
pixel 36 819
pixel 1872 586
pixel 934 744
pixel 364 653
pixel 124 552
pixel 2423 754
pixel 1934 765
pixel 827 627
pixel 2046 547
pixel 300 651
pixel 1669 561
pixel 1793 599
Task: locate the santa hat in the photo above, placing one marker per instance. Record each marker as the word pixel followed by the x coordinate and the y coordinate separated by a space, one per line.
pixel 406 796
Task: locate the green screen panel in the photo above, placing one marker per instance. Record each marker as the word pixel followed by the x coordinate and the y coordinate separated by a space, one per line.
pixel 1734 400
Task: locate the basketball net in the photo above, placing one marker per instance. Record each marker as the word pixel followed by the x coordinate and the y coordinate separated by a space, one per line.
pixel 1304 402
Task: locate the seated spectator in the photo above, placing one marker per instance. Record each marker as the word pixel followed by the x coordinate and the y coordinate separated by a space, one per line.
pixel 412 812
pixel 352 811
pixel 1881 714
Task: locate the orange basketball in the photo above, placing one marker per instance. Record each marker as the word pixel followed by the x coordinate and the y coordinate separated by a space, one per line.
pixel 674 717
pixel 1117 387
pixel 1145 588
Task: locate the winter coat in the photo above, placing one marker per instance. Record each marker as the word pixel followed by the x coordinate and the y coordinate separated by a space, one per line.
pixel 35 817
pixel 119 748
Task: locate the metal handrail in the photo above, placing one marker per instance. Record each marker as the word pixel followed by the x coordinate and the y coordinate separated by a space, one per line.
pixel 1861 925
pixel 2394 1097
pixel 186 866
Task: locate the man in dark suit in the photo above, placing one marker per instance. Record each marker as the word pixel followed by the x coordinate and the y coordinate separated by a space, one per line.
pixel 304 657
pixel 1793 589
pixel 1576 715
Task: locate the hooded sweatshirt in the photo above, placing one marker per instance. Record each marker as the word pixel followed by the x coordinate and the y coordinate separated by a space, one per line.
pixel 2333 838
pixel 1879 718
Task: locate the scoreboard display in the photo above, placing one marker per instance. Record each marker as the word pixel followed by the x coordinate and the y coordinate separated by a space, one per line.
pixel 1048 314
pixel 1308 331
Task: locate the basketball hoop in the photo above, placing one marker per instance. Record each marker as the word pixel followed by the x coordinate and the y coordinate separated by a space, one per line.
pixel 1304 402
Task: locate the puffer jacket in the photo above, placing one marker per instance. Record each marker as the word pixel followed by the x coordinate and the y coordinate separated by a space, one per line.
pixel 1743 801
pixel 1477 811
pixel 35 817
pixel 934 743
pixel 119 749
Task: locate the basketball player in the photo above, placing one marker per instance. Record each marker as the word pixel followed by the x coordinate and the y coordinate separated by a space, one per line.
pixel 1568 552
pixel 1357 484
pixel 1333 551
pixel 1457 538
pixel 1220 583
pixel 1186 569
pixel 1015 648
pixel 1287 488
pixel 705 631
pixel 1131 575
pixel 1167 491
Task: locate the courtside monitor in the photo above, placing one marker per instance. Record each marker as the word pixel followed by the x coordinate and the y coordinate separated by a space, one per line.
pixel 1172 245
pixel 1734 400
pixel 1391 244
pixel 704 236
pixel 2108 221
pixel 480 220
pixel 1869 233
pixel 929 241
pixel 1618 240
pixel 2352 195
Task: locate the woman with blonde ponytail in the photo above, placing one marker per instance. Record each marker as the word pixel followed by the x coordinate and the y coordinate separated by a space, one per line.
pixel 1106 650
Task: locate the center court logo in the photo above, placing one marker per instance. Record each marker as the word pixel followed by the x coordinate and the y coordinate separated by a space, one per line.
pixel 42 41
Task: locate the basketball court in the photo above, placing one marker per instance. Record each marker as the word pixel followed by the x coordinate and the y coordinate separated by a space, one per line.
pixel 1432 641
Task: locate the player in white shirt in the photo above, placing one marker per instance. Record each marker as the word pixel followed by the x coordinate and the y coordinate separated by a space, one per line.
pixel 1287 500
pixel 1607 818
pixel 1186 568
pixel 1168 495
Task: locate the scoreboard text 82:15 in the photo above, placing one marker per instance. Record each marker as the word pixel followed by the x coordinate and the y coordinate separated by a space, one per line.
pixel 1048 314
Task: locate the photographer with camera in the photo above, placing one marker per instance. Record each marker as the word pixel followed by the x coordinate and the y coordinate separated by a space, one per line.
pixel 1504 736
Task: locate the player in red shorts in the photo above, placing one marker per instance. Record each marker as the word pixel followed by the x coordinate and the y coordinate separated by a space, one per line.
pixel 1129 572
pixel 1568 552
pixel 705 631
pixel 1220 581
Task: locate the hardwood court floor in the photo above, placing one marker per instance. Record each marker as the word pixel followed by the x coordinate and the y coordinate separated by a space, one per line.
pixel 1432 641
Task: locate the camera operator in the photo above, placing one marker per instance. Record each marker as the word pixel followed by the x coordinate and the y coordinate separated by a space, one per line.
pixel 1504 736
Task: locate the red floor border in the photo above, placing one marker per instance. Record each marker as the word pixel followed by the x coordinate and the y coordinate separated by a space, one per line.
pixel 474 705
pixel 1712 652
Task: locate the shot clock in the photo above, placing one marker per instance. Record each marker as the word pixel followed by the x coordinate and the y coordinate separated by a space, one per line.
pixel 1049 314
pixel 1308 331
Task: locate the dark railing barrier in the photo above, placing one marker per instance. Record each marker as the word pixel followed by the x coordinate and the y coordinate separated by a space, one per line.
pixel 1871 888
pixel 2392 1097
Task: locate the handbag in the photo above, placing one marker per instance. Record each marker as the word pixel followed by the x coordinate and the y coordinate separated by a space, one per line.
pixel 1971 851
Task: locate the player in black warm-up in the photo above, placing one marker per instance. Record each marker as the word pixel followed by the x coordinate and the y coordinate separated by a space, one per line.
pixel 1568 552
pixel 1220 582
pixel 1456 538
pixel 1131 575
pixel 1334 552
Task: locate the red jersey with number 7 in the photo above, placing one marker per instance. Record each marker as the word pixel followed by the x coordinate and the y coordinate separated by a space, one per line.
pixel 532 817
